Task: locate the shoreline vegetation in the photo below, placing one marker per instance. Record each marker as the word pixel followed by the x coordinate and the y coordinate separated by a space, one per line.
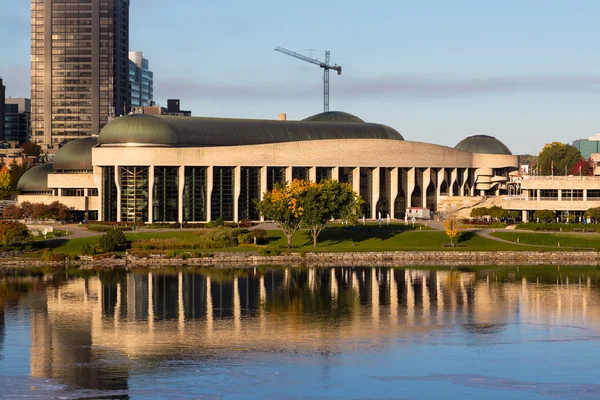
pixel 393 244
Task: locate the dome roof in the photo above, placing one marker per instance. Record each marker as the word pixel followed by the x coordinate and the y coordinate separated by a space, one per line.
pixel 164 130
pixel 483 144
pixel 334 116
pixel 35 179
pixel 75 155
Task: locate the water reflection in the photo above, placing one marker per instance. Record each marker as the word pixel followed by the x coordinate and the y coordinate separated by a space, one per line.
pixel 94 331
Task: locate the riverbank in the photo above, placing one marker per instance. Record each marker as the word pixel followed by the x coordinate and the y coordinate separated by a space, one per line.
pixel 389 259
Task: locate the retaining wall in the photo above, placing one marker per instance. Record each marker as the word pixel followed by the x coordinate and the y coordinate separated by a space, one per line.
pixel 392 258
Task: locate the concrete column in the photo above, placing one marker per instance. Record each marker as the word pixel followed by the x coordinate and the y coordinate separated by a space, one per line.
pixel 465 178
pixel 150 194
pixel 209 188
pixel 98 183
pixel 525 216
pixel 410 186
pixel 180 189
pixel 393 191
pixel 539 194
pixel 453 176
pixel 426 182
pixel 335 174
pixel 288 175
pixel 440 180
pixel 560 195
pixel 118 184
pixel 312 174
pixel 85 192
pixel 356 180
pixel 59 192
pixel 375 177
pixel 263 183
pixel 584 194
pixel 237 188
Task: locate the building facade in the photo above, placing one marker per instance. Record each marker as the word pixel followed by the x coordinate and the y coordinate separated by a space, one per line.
pixel 17 120
pixel 79 67
pixel 141 81
pixel 588 146
pixel 146 168
pixel 2 96
pixel 174 108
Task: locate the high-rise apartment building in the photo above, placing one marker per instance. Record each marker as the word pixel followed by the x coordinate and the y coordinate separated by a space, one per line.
pixel 141 80
pixel 2 95
pixel 17 120
pixel 79 67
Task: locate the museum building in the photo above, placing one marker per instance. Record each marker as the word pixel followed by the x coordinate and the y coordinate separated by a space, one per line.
pixel 167 169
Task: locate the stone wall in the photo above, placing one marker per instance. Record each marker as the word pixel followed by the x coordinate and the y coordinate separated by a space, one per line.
pixel 392 258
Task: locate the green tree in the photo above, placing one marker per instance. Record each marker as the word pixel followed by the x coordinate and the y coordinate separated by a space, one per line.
pixel 12 233
pixel 513 215
pixel 480 212
pixel 593 214
pixel 113 240
pixel 16 172
pixel 497 213
pixel 558 158
pixel 285 205
pixel 544 216
pixel 326 200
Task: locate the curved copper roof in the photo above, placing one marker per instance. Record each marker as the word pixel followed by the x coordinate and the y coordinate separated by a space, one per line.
pixel 75 155
pixel 483 144
pixel 35 179
pixel 334 116
pixel 154 130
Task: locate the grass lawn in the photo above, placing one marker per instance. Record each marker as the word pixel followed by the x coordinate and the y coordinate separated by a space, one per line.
pixel 334 239
pixel 591 240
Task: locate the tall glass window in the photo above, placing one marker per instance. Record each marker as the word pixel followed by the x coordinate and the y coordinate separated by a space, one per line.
pixel 400 202
pixel 275 175
pixel 346 174
pixel 165 200
pixel 134 194
pixel 385 191
pixel 249 193
pixel 366 190
pixel 194 194
pixel 323 173
pixel 300 173
pixel 416 198
pixel 222 193
pixel 109 194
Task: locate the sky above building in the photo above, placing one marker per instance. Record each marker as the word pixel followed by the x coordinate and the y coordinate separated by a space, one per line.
pixel 437 71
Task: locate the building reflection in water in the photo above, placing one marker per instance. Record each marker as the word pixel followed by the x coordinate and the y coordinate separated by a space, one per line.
pixel 126 316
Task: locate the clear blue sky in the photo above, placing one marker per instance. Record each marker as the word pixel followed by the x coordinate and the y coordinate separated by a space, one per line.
pixel 524 71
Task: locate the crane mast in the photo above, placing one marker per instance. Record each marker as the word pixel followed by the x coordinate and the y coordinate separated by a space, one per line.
pixel 325 65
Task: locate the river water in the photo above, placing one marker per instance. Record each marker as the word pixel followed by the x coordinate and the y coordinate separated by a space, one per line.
pixel 299 333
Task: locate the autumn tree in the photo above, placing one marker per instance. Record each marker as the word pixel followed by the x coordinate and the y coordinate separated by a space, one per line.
pixel 31 149
pixel 326 200
pixel 16 172
pixel 583 167
pixel 12 211
pixel 12 233
pixel 5 186
pixel 451 226
pixel 558 158
pixel 285 205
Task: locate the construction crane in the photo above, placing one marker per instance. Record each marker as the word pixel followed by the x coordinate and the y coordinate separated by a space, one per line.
pixel 326 67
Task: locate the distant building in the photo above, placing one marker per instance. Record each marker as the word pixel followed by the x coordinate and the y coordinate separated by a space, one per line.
pixel 17 120
pixel 79 67
pixel 2 94
pixel 588 146
pixel 173 108
pixel 152 110
pixel 141 80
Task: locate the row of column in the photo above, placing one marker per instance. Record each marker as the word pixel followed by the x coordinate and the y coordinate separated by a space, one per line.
pixel 374 195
